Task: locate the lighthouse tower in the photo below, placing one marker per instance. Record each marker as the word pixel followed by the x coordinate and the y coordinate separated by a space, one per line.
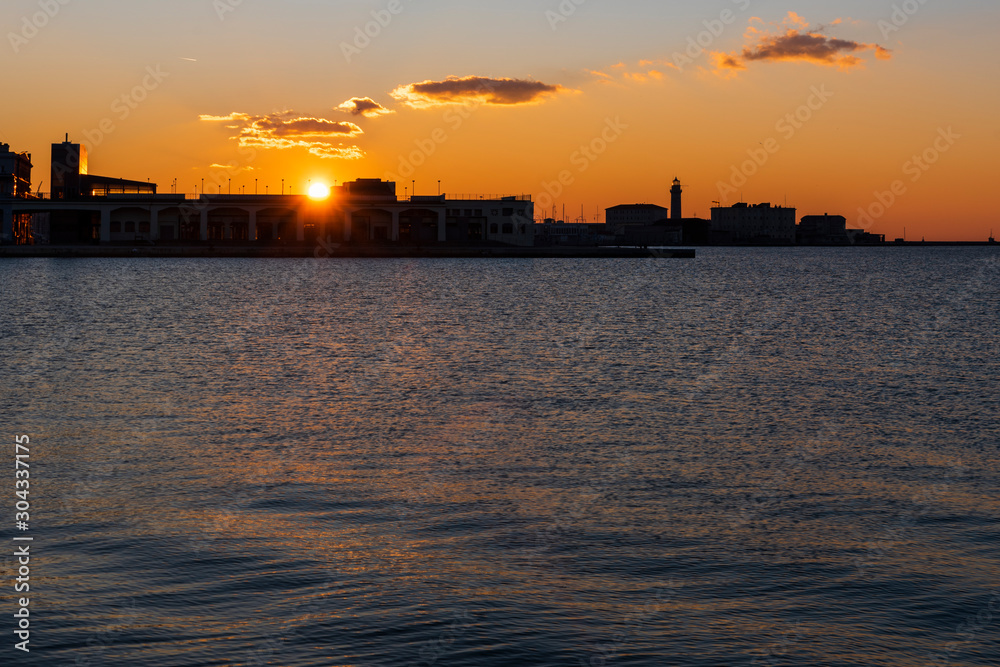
pixel 675 200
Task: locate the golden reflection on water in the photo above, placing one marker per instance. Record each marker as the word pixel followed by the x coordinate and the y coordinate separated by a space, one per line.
pixel 683 458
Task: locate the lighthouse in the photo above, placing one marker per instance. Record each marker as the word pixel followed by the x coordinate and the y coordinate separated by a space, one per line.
pixel 675 200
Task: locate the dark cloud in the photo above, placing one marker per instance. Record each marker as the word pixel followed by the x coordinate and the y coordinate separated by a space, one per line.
pixel 303 127
pixel 474 89
pixel 799 43
pixel 288 130
pixel 364 106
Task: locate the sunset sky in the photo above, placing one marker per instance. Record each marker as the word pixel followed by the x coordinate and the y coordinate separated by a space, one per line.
pixel 828 106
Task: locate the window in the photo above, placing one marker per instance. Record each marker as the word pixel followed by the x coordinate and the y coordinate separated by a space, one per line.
pixel 524 229
pixel 130 227
pixel 479 212
pixel 508 228
pixel 493 228
pixel 468 213
pixel 144 227
pixel 116 227
pixel 507 212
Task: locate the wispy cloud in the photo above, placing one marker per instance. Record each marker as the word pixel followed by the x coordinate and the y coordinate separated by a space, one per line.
pixel 287 129
pixel 645 71
pixel 230 167
pixel 474 89
pixel 795 41
pixel 364 106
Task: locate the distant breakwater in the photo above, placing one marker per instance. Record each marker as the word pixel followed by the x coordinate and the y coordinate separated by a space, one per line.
pixel 373 252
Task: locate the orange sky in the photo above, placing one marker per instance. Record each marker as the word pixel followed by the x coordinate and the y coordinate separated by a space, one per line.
pixel 829 110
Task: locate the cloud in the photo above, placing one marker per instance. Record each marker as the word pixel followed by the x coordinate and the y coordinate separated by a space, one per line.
pixel 364 106
pixel 230 167
pixel 645 71
pixel 725 61
pixel 795 41
pixel 287 129
pixel 476 90
pixel 232 116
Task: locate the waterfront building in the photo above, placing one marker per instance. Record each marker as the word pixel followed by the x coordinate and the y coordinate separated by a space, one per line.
pixel 760 223
pixel 15 183
pixel 822 230
pixel 863 237
pixel 660 233
pixel 15 173
pixel 832 230
pixel 624 215
pixel 71 180
pixel 84 208
pixel 559 233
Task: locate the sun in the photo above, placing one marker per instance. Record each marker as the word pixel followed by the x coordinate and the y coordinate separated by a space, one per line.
pixel 318 191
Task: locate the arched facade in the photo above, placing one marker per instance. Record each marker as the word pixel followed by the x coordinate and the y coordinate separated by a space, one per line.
pixel 349 216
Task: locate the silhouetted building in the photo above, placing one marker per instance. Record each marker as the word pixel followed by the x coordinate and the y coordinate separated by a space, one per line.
pixel 84 208
pixel 559 233
pixel 832 230
pixel 675 200
pixel 69 163
pixel 660 233
pixel 71 179
pixel 618 217
pixel 16 226
pixel 761 223
pixel 696 231
pixel 15 173
pixel 822 230
pixel 862 237
pixel 371 187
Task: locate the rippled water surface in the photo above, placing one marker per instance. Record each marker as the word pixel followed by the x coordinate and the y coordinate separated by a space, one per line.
pixel 759 457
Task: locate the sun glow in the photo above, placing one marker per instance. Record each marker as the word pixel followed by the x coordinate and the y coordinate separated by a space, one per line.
pixel 318 191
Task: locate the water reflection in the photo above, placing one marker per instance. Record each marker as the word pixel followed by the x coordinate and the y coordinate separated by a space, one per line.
pixel 754 456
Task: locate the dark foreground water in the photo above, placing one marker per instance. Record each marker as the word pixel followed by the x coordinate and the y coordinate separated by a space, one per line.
pixel 759 457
